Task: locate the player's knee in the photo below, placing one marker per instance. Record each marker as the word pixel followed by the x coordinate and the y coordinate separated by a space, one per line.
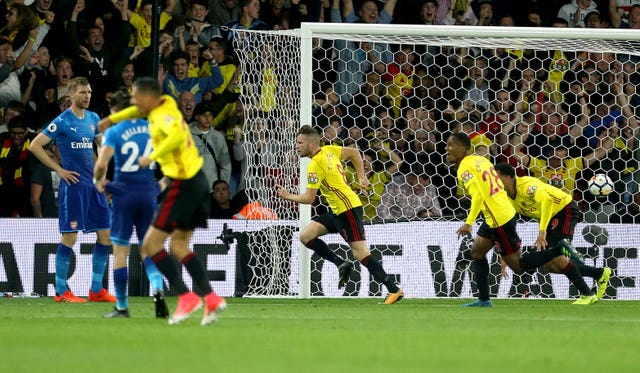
pixel 514 262
pixel 557 264
pixel 306 238
pixel 476 256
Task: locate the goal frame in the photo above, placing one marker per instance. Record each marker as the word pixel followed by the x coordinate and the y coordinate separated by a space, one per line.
pixel 516 35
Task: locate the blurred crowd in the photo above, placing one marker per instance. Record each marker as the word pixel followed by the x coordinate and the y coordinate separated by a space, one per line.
pixel 558 115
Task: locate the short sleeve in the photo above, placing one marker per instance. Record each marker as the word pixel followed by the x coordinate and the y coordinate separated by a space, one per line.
pixel 53 129
pixel 109 138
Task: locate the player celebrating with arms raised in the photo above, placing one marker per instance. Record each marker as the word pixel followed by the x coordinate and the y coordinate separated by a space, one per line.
pixel 185 205
pixel 481 182
pixel 557 214
pixel 81 207
pixel 326 173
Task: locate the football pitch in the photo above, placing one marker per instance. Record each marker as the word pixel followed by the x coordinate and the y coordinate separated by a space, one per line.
pixel 324 335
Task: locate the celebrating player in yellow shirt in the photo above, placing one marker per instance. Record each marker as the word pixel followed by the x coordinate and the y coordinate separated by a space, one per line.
pixel 557 214
pixel 482 183
pixel 326 173
pixel 185 204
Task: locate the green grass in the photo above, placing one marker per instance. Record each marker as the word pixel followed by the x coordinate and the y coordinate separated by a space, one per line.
pixel 324 335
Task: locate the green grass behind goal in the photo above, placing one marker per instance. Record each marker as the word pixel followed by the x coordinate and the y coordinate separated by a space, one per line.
pixel 324 335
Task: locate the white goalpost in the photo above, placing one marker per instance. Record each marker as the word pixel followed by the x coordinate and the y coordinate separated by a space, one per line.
pixel 325 72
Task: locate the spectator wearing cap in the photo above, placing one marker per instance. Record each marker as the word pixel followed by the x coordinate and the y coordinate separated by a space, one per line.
pixel 177 80
pixel 576 10
pixel 211 145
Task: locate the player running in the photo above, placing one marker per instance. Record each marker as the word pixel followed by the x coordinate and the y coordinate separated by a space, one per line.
pixel 134 196
pixel 326 173
pixel 483 185
pixel 80 206
pixel 557 213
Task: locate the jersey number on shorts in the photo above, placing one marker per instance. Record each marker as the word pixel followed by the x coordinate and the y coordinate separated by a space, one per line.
pixel 494 181
pixel 132 151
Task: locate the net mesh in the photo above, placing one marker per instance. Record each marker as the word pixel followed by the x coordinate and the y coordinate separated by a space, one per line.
pixel 271 103
pixel 558 109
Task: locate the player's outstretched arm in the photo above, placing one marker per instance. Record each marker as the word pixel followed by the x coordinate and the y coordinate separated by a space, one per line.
pixel 104 124
pixel 129 113
pixel 306 198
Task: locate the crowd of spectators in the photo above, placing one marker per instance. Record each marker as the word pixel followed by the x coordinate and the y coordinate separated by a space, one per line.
pixel 554 114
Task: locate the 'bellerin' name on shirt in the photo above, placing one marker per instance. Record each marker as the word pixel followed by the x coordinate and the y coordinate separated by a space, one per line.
pixel 134 131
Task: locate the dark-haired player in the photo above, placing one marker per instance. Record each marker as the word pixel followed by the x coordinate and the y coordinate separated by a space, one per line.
pixel 134 196
pixel 557 214
pixel 326 173
pixel 479 179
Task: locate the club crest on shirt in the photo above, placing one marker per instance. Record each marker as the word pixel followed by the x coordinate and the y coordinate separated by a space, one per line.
pixel 52 127
pixel 531 191
pixel 93 128
pixel 312 178
pixel 466 176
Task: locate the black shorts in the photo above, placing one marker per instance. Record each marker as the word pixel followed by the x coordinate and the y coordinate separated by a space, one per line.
pixel 348 224
pixel 505 238
pixel 563 224
pixel 184 205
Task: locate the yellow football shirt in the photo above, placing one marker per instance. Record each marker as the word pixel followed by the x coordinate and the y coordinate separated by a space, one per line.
pixel 173 146
pixel 481 182
pixel 268 89
pixel 563 177
pixel 558 67
pixel 327 174
pixel 143 29
pixel 538 200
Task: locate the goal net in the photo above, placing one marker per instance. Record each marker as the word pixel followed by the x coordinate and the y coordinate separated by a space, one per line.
pixel 557 104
